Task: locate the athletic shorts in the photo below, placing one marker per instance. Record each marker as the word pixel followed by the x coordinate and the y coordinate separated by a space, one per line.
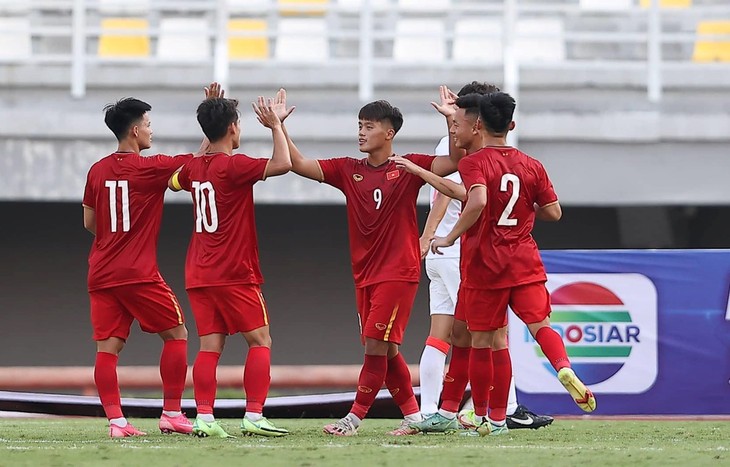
pixel 445 278
pixel 486 310
pixel 460 310
pixel 228 309
pixel 152 304
pixel 383 309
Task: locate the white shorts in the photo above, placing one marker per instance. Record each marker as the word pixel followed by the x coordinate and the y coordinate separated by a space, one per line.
pixel 445 278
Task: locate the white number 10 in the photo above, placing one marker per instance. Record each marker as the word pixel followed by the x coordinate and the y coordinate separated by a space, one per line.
pixel 123 185
pixel 504 218
pixel 377 197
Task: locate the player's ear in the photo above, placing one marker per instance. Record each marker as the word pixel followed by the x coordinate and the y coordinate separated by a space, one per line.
pixel 511 126
pixel 390 133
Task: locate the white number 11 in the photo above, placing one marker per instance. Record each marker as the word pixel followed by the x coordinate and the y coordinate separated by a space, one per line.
pixel 123 185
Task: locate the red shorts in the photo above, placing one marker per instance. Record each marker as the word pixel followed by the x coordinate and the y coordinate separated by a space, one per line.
pixel 228 309
pixel 459 311
pixel 153 304
pixel 486 310
pixel 383 309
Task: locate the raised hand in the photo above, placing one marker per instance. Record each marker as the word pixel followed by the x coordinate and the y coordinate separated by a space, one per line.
pixel 439 242
pixel 265 114
pixel 445 106
pixel 214 90
pixel 280 105
pixel 405 164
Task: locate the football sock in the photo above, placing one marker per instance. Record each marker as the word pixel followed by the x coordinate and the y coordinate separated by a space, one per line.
pixel 107 385
pixel 120 422
pixel 206 417
pixel 512 399
pixel 204 381
pixel 172 413
pixel 173 370
pixel 456 379
pixel 371 379
pixel 254 417
pixel 431 369
pixel 257 378
pixel 552 346
pixel 481 375
pixel 354 419
pixel 501 383
pixel 399 383
pixel 447 414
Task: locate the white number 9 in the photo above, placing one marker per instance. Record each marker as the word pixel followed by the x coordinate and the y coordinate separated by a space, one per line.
pixel 377 197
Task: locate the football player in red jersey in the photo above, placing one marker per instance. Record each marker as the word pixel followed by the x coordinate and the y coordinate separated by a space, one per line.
pixel 222 272
pixel 384 250
pixel 506 191
pixel 122 204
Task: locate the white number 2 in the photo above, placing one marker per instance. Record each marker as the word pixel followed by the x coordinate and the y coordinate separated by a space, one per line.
pixel 377 197
pixel 123 185
pixel 504 218
pixel 204 202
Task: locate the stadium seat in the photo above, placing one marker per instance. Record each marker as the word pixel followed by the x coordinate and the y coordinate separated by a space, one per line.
pixel 419 40
pixel 470 47
pixel 247 6
pixel 14 6
pixel 15 38
pixel 540 40
pixel 668 3
pixel 113 43
pixel 306 7
pixel 424 6
pixel 124 7
pixel 712 50
pixel 248 47
pixel 302 40
pixel 184 39
pixel 355 5
pixel 606 5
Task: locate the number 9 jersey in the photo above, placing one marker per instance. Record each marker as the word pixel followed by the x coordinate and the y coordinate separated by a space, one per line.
pixel 505 254
pixel 381 214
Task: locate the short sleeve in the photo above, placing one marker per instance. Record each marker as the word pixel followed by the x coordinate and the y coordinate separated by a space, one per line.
pixel 89 198
pixel 544 193
pixel 183 178
pixel 167 165
pixel 246 170
pixel 470 173
pixel 333 171
pixel 422 160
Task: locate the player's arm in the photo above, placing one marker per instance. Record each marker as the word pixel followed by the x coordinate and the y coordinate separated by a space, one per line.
pixel 90 220
pixel 174 182
pixel 443 185
pixel 280 162
pixel 444 165
pixel 551 212
pixel 469 215
pixel 435 215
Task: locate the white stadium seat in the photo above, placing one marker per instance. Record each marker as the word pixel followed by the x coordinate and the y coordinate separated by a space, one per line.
pixel 471 43
pixel 302 40
pixel 184 39
pixel 15 38
pixel 424 6
pixel 540 39
pixel 124 7
pixel 606 5
pixel 419 40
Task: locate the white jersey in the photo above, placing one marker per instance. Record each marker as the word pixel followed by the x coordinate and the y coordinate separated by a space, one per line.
pixel 453 210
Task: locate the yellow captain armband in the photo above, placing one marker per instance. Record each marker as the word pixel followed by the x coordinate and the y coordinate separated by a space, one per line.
pixel 175 182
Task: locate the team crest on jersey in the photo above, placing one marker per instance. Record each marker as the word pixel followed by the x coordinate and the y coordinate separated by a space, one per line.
pixel 393 174
pixel 357 177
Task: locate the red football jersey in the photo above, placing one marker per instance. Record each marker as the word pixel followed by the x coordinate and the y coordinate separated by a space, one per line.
pixel 381 214
pixel 505 253
pixel 223 249
pixel 127 191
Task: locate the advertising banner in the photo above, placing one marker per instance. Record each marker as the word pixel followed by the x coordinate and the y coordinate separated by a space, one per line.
pixel 647 331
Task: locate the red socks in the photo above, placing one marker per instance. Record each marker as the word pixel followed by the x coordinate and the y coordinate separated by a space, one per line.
pixel 399 383
pixel 481 375
pixel 456 379
pixel 502 380
pixel 257 378
pixel 173 370
pixel 105 377
pixel 552 346
pixel 372 376
pixel 204 380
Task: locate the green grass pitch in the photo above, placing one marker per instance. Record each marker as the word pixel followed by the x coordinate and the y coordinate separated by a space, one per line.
pixel 84 442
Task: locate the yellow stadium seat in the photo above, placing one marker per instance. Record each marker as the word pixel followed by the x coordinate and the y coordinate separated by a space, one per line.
pixel 712 50
pixel 668 3
pixel 289 7
pixel 112 43
pixel 248 47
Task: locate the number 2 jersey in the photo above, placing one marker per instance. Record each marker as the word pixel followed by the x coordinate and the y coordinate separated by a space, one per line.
pixel 381 214
pixel 503 252
pixel 223 249
pixel 127 191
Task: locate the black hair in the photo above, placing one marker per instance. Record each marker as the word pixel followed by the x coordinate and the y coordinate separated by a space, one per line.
pixel 496 111
pixel 122 115
pixel 470 103
pixel 478 88
pixel 215 115
pixel 382 110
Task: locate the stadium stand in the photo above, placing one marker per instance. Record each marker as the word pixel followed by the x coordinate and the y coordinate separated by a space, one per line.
pixel 250 47
pixel 124 38
pixel 15 41
pixel 711 50
pixel 184 39
pixel 302 40
pixel 419 40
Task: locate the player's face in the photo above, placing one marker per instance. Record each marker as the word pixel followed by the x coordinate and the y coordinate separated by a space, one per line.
pixel 372 136
pixel 142 131
pixel 464 130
